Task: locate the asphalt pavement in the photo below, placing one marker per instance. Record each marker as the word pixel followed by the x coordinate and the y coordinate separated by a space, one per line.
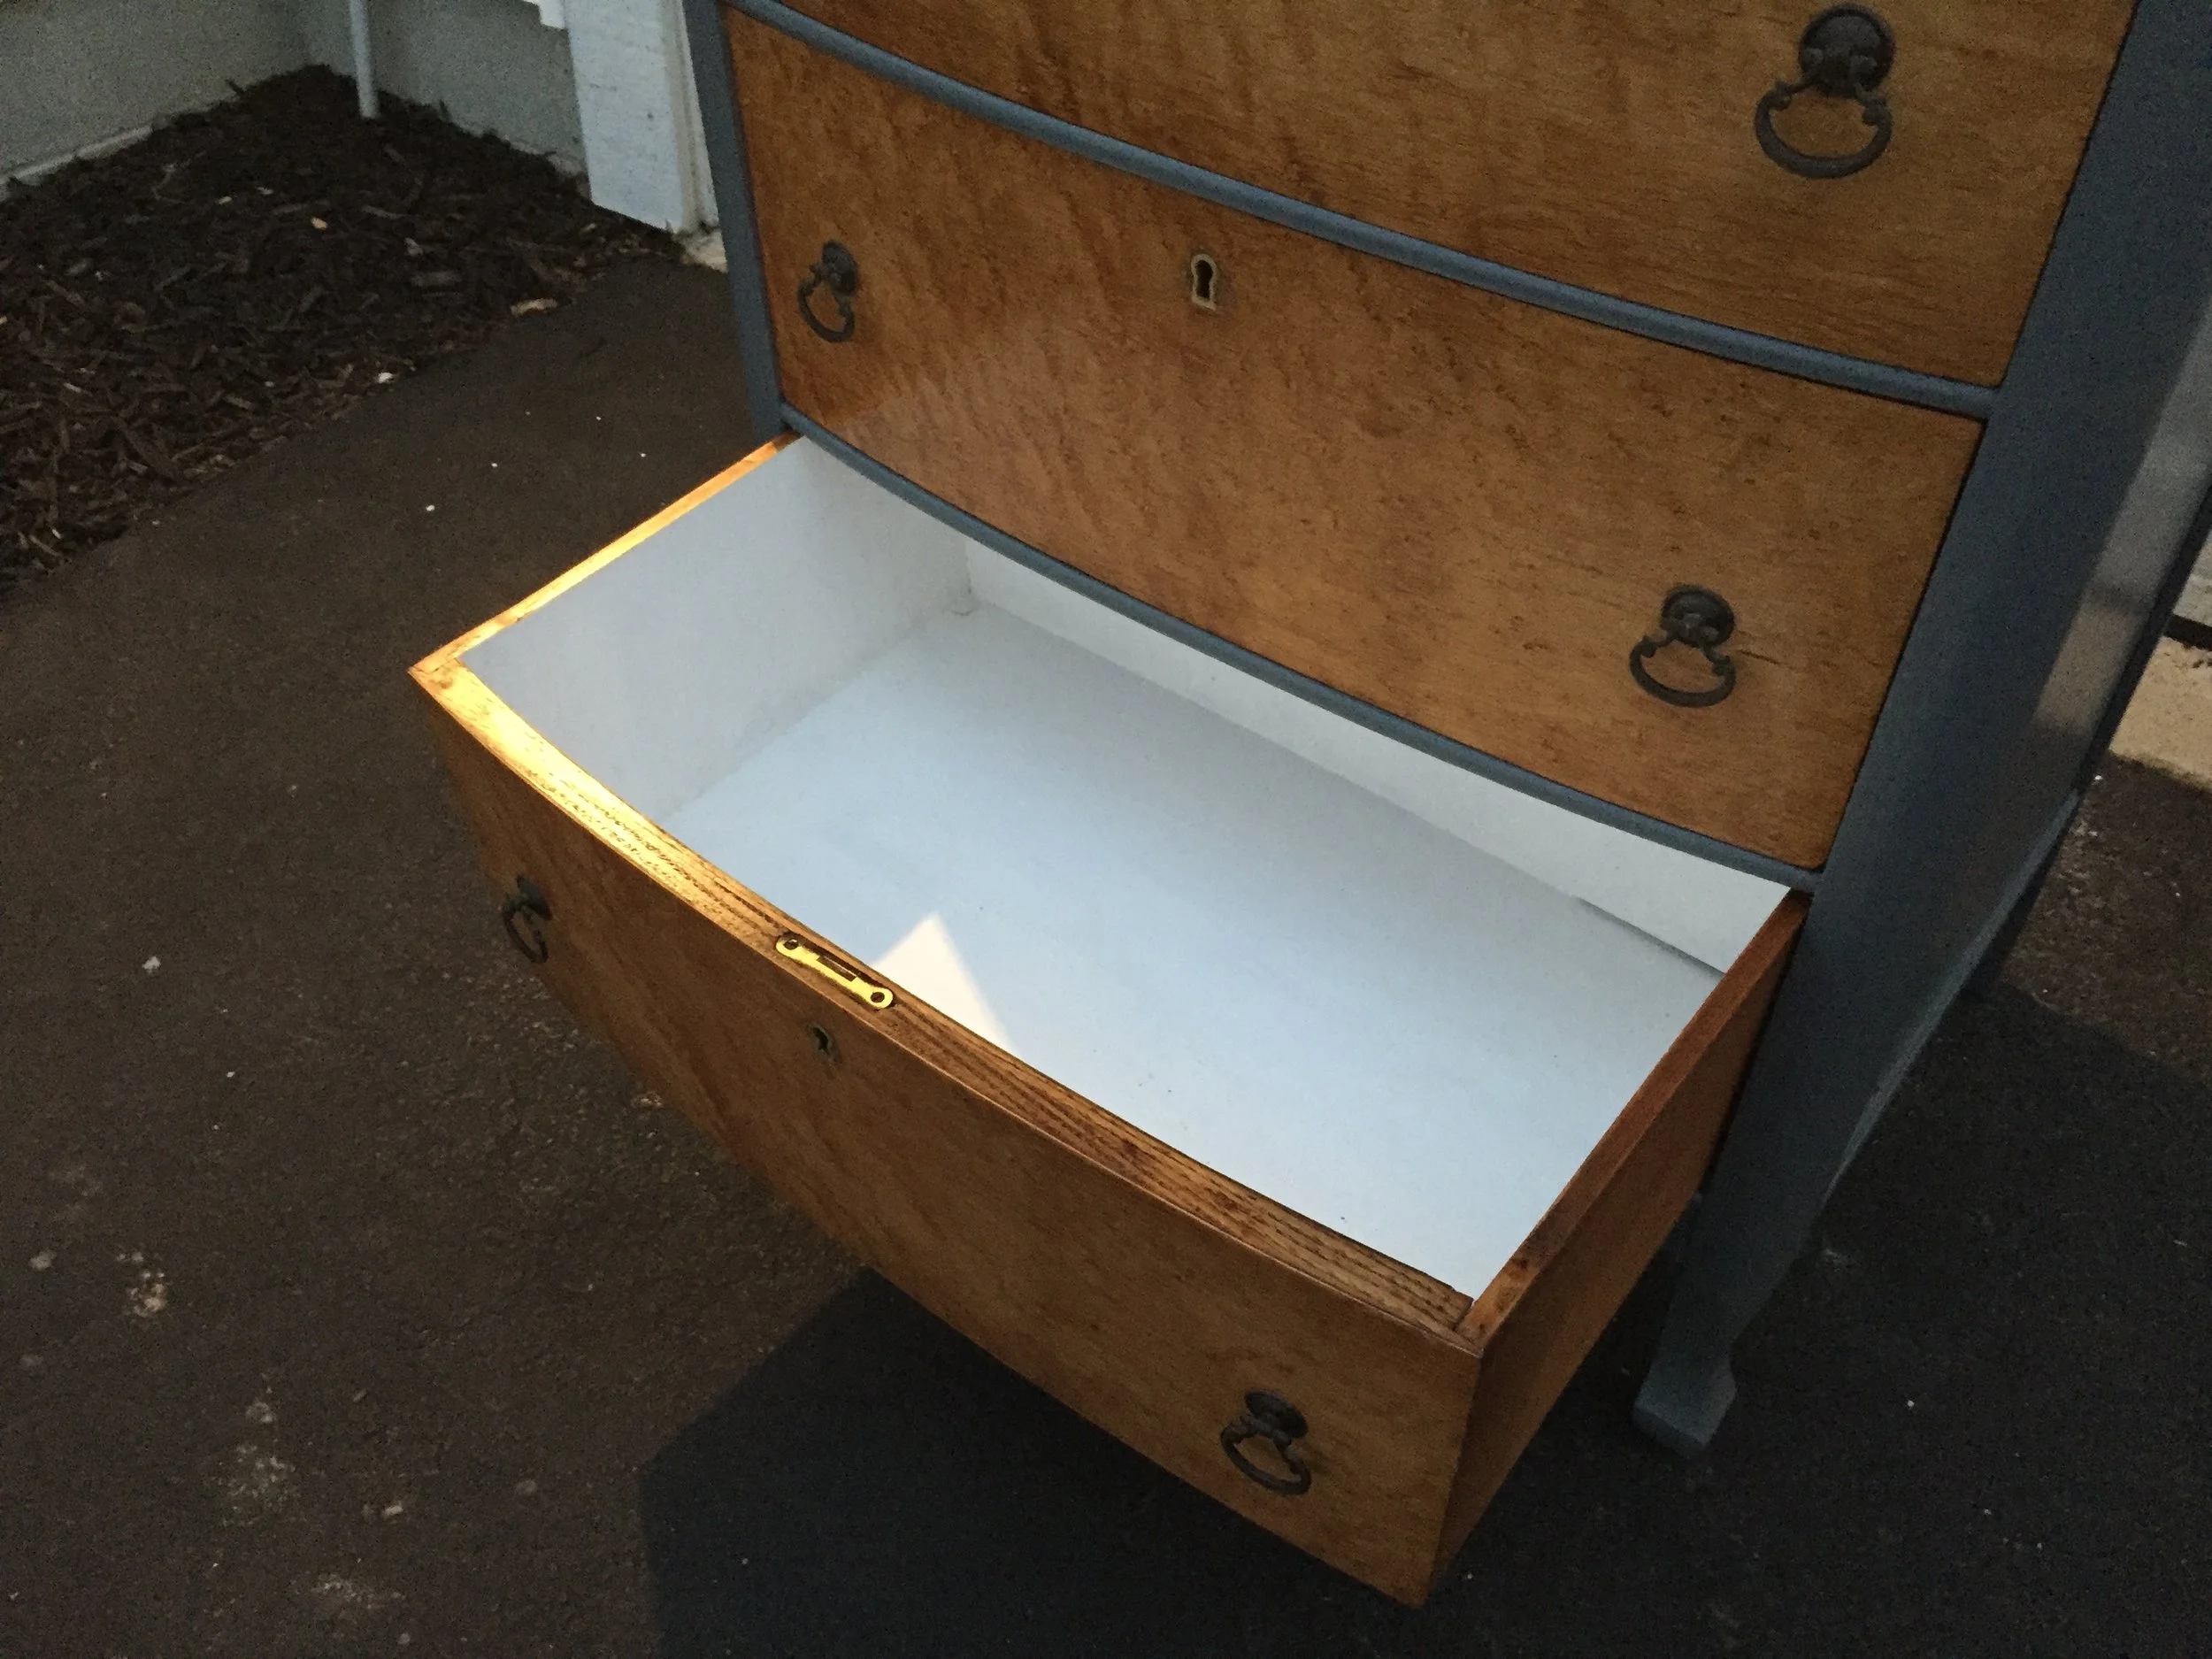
pixel 352 1302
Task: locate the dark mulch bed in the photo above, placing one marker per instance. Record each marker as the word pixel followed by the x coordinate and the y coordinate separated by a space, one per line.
pixel 247 273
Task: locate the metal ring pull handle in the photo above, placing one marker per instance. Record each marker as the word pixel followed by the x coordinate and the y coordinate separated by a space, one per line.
pixel 1271 1418
pixel 1702 620
pixel 524 908
pixel 1846 52
pixel 839 273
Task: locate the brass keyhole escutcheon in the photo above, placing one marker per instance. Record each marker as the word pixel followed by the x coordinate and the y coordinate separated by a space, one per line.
pixel 1206 283
pixel 837 970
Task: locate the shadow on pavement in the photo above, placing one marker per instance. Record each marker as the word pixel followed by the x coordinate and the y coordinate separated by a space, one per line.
pixel 1960 1433
pixel 878 1485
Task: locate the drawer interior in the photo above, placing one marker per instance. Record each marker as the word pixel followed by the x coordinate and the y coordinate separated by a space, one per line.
pixel 1395 997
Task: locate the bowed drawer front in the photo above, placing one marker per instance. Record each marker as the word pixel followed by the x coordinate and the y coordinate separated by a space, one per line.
pixel 1462 509
pixel 1243 1078
pixel 1608 143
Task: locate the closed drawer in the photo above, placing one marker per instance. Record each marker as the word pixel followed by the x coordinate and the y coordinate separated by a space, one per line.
pixel 1172 1042
pixel 1462 509
pixel 1607 143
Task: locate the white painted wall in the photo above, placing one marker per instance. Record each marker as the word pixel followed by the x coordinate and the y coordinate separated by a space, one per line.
pixel 2196 599
pixel 639 108
pixel 78 75
pixel 602 86
pixel 490 65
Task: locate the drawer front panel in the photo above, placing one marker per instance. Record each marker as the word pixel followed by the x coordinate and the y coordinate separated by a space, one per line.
pixel 1116 1300
pixel 1461 509
pixel 1607 143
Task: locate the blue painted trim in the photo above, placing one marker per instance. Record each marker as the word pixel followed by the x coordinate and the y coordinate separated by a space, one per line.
pixel 1393 726
pixel 732 177
pixel 1739 345
pixel 1959 971
pixel 2061 549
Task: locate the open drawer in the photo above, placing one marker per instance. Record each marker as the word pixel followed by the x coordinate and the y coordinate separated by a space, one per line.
pixel 1291 1104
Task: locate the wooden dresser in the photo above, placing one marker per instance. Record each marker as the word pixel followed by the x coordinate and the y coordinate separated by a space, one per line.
pixel 1355 655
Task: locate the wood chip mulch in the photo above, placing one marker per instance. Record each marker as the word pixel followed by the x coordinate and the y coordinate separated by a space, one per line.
pixel 245 273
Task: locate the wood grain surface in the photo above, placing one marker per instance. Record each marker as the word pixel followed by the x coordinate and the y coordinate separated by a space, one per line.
pixel 1605 142
pixel 1461 509
pixel 1144 1290
pixel 1540 1317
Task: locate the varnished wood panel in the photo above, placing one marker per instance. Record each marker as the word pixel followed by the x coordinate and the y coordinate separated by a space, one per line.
pixel 1539 1317
pixel 1461 509
pixel 1146 1291
pixel 1605 142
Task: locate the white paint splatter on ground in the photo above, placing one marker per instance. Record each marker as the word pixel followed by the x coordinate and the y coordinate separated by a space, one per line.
pixel 78 1178
pixel 261 1412
pixel 44 1259
pixel 339 1600
pixel 259 1483
pixel 152 965
pixel 149 1297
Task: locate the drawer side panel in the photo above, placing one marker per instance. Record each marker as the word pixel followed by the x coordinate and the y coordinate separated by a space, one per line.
pixel 1538 1321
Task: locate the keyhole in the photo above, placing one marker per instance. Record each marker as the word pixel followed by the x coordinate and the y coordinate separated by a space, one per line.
pixel 1205 282
pixel 825 1044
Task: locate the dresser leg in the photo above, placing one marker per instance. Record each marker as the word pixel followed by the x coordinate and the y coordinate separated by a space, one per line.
pixel 1755 1219
pixel 1991 969
pixel 1850 1018
pixel 1787 1148
pixel 1685 1397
